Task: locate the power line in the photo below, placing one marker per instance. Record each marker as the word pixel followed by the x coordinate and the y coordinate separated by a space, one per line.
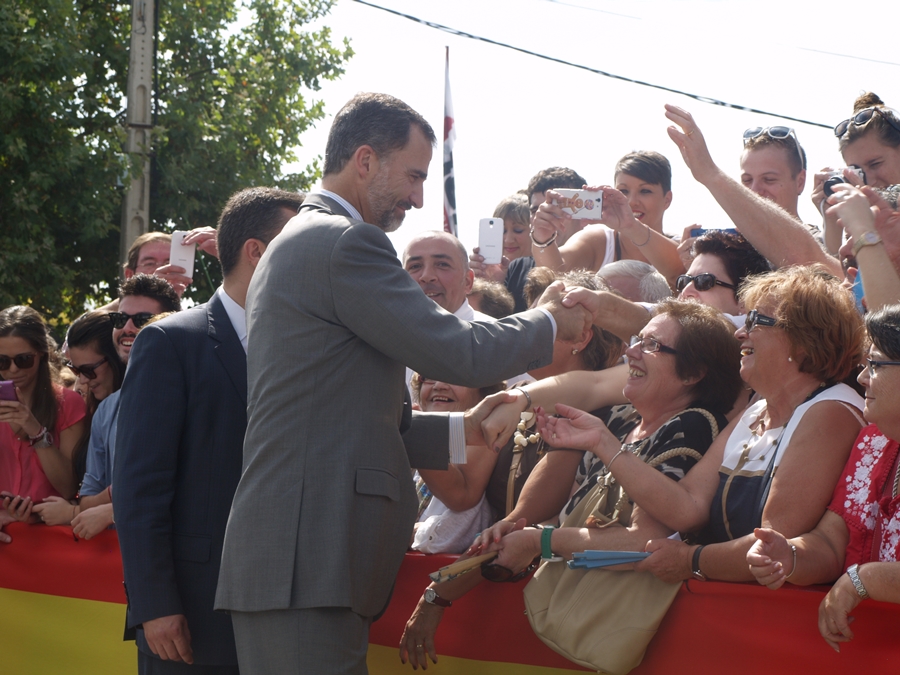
pixel 697 97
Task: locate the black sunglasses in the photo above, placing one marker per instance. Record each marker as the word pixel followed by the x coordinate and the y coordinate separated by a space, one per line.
pixel 499 573
pixel 754 319
pixel 22 361
pixel 119 319
pixel 702 282
pixel 90 370
pixel 863 117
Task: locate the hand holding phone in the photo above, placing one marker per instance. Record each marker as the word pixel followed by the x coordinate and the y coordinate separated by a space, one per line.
pixel 8 391
pixel 490 240
pixel 182 255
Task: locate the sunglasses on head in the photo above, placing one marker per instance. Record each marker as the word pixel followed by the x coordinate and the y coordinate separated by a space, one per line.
pixel 702 282
pixel 119 319
pixel 89 371
pixel 499 573
pixel 754 319
pixel 863 117
pixel 22 361
pixel 779 133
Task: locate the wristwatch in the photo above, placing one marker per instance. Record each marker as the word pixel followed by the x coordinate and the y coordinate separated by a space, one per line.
pixel 869 238
pixel 43 439
pixel 695 565
pixel 546 550
pixel 853 573
pixel 432 598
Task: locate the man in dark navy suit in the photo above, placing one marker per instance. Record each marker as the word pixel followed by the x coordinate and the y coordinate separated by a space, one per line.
pixel 181 428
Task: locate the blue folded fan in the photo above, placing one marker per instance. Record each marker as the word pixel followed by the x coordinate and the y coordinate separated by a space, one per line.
pixel 591 559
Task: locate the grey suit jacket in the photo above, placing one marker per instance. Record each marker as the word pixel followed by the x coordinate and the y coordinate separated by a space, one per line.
pixel 182 417
pixel 324 510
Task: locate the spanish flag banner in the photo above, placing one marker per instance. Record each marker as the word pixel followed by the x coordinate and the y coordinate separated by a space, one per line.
pixel 63 612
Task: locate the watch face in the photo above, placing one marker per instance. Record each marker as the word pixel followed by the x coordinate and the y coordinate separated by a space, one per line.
pixel 429 594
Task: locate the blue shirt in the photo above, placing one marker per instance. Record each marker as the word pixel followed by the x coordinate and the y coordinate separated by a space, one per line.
pixel 102 447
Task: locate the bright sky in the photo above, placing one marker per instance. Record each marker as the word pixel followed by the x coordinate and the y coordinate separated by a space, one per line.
pixel 516 114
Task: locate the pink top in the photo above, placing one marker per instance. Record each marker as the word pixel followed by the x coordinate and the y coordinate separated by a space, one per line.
pixel 864 499
pixel 20 468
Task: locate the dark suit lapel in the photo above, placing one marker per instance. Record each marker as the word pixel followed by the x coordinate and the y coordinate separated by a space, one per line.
pixel 228 347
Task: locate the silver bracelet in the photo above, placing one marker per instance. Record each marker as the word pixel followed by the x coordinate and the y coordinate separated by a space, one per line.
pixel 527 397
pixel 546 243
pixel 794 568
pixel 646 242
pixel 615 457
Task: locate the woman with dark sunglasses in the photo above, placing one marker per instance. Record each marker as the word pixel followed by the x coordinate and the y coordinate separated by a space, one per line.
pixel 40 430
pixel 93 358
pixel 860 531
pixel 777 463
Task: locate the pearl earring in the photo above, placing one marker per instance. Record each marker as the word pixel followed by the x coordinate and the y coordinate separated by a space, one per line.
pixel 574 352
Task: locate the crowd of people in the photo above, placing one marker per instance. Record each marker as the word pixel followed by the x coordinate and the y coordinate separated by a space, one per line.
pixel 744 388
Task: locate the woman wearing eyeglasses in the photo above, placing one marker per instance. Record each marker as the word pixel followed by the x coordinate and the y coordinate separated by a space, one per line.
pixel 860 531
pixel 682 377
pixel 777 463
pixel 93 358
pixel 39 431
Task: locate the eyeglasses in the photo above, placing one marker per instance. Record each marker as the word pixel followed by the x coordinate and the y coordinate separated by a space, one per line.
pixel 22 361
pixel 873 365
pixel 863 117
pixel 119 319
pixel 89 371
pixel 499 573
pixel 754 319
pixel 650 345
pixel 778 133
pixel 702 282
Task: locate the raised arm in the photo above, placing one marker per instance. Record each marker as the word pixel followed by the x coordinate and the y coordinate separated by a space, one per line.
pixel 771 230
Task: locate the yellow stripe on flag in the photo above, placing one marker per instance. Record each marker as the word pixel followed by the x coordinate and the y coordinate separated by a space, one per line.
pixel 53 635
pixel 386 661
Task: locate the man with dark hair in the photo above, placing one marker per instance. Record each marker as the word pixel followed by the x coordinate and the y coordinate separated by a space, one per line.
pixel 141 297
pixel 326 504
pixel 182 421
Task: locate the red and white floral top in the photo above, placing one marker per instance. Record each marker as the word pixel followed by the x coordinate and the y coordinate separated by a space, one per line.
pixel 864 499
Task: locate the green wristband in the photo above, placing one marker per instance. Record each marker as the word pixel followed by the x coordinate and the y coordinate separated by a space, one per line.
pixel 546 550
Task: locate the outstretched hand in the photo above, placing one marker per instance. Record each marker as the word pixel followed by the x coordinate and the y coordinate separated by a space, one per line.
pixel 474 418
pixel 571 319
pixel 691 143
pixel 574 428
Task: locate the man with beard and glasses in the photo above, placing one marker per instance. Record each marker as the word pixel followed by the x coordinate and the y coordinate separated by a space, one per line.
pixel 325 506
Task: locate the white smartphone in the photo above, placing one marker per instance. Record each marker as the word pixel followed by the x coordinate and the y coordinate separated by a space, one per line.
pixel 582 204
pixel 182 255
pixel 490 240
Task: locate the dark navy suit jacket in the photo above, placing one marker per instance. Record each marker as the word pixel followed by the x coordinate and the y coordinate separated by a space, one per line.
pixel 182 420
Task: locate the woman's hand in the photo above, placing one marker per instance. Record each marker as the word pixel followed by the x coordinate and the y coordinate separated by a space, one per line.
pixel 493 535
pixel 686 246
pixel 617 212
pixel 574 429
pixel 5 519
pixel 670 560
pixel 18 416
pixel 18 507
pixel 55 511
pixel 517 549
pixel 474 418
pixel 491 272
pixel 769 557
pixel 691 143
pixel 852 208
pixel 417 640
pixel 834 612
pixel 91 522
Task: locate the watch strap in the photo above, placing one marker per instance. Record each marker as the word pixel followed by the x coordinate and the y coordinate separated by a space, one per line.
pixel 432 598
pixel 546 548
pixel 870 238
pixel 853 573
pixel 695 564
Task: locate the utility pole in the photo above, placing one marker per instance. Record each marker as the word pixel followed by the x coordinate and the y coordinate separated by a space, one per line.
pixel 139 124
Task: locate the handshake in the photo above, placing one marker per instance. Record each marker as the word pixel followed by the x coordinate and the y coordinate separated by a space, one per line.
pixel 572 310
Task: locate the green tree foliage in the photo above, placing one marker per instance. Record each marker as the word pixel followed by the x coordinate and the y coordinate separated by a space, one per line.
pixel 234 81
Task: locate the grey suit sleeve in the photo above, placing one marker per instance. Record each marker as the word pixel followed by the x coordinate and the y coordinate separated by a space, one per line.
pixel 427 441
pixel 376 299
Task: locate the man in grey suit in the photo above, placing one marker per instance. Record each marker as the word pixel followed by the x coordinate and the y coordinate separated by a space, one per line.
pixel 182 417
pixel 325 506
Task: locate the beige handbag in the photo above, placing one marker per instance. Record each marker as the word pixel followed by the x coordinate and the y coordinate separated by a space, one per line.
pixel 598 618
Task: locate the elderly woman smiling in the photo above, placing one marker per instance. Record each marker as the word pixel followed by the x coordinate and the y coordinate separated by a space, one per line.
pixel 684 376
pixel 776 464
pixel 860 528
